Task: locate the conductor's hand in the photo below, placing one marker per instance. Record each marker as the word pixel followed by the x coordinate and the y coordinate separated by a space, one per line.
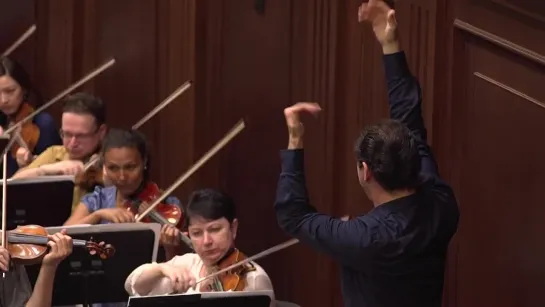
pixel 170 236
pixel 382 18
pixel 116 215
pixel 4 259
pixel 180 278
pixel 60 246
pixel 293 119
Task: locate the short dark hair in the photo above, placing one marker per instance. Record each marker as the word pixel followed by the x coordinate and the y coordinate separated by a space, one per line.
pixel 121 138
pixel 84 103
pixel 390 150
pixel 210 204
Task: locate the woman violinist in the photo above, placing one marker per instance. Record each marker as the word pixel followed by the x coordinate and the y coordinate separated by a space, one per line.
pixel 212 228
pixel 16 94
pixel 15 288
pixel 126 166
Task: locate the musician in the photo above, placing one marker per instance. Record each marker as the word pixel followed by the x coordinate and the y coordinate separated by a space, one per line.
pixel 17 101
pixel 16 290
pixel 127 165
pixel 395 254
pixel 212 227
pixel 83 128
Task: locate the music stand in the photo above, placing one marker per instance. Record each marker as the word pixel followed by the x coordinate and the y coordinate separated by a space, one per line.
pixel 205 299
pixel 85 279
pixel 44 201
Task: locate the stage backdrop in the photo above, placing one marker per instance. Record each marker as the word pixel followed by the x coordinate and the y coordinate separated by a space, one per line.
pixel 480 62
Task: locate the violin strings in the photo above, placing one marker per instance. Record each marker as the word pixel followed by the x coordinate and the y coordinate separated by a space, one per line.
pixel 24 235
pixel 264 253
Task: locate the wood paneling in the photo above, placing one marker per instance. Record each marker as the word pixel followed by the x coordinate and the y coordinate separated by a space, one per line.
pixel 480 63
pixel 494 106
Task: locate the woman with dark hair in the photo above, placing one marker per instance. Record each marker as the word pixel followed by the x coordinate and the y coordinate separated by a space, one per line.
pixel 17 100
pixel 126 163
pixel 212 228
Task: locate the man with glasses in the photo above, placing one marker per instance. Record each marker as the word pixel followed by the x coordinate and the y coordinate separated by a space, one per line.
pixel 83 128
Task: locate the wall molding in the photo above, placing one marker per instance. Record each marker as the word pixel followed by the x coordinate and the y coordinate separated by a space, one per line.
pixel 519 10
pixel 500 41
pixel 509 89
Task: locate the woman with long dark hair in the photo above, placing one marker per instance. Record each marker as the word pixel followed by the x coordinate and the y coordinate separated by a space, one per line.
pixel 17 100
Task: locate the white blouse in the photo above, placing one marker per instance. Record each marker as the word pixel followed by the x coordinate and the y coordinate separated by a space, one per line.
pixel 255 280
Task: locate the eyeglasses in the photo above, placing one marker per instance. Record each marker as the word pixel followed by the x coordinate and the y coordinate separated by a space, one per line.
pixel 77 136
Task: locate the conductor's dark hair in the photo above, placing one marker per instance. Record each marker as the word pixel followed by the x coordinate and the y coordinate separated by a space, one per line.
pixel 121 138
pixel 390 151
pixel 211 205
pixel 86 104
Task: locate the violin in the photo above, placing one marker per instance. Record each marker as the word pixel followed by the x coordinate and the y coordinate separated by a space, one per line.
pixel 27 245
pixel 90 178
pixel 232 279
pixel 29 131
pixel 162 213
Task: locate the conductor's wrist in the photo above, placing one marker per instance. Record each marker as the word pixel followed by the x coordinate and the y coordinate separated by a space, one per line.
pixel 391 47
pixel 295 142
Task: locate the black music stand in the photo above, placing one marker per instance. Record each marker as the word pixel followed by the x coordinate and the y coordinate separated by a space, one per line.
pixel 44 201
pixel 85 279
pixel 205 299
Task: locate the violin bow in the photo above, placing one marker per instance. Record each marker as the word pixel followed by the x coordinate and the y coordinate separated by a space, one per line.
pixel 226 139
pixel 67 91
pixel 264 253
pixel 179 91
pixel 19 41
pixel 4 195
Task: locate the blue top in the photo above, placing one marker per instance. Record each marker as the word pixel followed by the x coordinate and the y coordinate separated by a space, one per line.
pixel 395 254
pixel 103 198
pixel 49 136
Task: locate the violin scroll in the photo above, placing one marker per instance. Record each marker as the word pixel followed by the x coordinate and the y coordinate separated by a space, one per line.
pixel 103 250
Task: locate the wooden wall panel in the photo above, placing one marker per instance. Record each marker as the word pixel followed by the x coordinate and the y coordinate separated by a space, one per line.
pixel 502 108
pixel 494 106
pixel 15 18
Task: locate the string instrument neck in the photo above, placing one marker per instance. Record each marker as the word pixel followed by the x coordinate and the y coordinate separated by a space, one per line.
pixel 23 238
